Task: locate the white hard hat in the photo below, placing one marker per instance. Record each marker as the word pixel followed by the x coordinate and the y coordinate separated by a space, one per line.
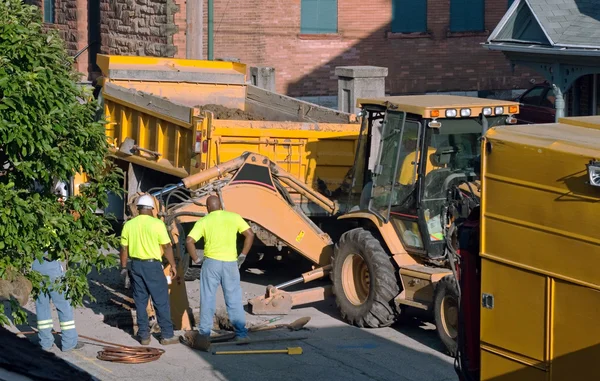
pixel 60 188
pixel 146 200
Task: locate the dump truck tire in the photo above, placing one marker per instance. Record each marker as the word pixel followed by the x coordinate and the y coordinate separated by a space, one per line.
pixel 192 273
pixel 189 273
pixel 364 280
pixel 445 310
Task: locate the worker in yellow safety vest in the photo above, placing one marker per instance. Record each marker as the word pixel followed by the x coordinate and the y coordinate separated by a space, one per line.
pixel 141 240
pixel 220 267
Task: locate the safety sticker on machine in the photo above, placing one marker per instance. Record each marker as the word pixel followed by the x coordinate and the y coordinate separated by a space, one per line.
pixel 300 236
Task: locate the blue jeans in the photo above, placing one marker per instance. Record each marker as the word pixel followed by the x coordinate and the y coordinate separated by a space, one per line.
pixel 148 279
pixel 63 306
pixel 227 275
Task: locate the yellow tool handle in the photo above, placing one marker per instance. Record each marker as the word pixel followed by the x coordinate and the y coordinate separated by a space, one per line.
pixel 291 351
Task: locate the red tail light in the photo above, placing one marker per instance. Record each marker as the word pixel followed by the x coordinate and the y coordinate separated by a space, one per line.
pixel 205 146
pixel 197 146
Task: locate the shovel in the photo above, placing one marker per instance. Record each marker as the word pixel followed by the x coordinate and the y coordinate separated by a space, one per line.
pixel 289 351
pixel 296 325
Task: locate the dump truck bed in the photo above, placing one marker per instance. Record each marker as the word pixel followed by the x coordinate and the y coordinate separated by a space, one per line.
pixel 540 241
pixel 189 115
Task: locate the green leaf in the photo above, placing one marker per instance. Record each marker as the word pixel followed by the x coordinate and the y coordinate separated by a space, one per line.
pixel 45 133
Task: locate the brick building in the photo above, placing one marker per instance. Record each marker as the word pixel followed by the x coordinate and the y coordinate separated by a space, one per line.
pixel 427 45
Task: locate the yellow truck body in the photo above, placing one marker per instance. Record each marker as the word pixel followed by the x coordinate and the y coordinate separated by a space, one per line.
pixel 157 102
pixel 540 245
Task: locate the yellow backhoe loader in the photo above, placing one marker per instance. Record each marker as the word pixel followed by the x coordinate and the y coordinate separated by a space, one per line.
pixel 415 171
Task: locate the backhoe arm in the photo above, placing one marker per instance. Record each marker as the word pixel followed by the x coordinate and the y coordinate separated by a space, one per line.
pixel 252 191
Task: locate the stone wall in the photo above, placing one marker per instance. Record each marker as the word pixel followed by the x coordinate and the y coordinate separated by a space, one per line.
pixel 70 20
pixel 138 27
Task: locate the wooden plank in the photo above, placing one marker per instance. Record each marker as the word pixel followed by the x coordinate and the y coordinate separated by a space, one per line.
pixel 278 107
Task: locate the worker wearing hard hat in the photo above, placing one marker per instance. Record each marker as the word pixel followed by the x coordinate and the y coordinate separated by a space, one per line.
pixel 141 240
pixel 221 266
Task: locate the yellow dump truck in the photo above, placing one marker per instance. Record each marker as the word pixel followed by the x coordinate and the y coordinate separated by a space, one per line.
pixel 172 118
pixel 530 290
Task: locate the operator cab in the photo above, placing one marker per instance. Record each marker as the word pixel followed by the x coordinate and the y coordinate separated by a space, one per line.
pixel 415 154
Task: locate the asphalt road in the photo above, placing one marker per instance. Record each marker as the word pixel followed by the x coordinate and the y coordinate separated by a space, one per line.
pixel 333 350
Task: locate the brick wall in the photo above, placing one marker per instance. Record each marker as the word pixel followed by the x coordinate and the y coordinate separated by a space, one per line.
pixel 267 33
pixel 70 19
pixel 240 30
pixel 180 24
pixel 138 27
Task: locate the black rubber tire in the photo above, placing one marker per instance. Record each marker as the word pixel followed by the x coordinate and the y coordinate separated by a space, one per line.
pixel 377 310
pixel 446 287
pixel 190 273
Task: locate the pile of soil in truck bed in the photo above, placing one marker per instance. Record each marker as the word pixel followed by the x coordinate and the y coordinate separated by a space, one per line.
pixel 222 112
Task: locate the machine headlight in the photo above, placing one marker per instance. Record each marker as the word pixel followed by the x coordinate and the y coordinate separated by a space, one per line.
pixel 451 113
pixel 499 110
pixel 464 112
pixel 487 111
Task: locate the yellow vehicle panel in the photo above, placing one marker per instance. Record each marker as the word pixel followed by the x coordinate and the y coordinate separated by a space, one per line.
pixel 539 246
pixel 323 151
pixel 424 104
pixel 582 121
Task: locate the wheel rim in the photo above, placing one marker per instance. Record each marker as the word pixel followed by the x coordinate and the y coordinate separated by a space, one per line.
pixel 355 279
pixel 449 312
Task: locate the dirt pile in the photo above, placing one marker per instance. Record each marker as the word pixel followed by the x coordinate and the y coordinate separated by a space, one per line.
pixel 222 112
pixel 15 286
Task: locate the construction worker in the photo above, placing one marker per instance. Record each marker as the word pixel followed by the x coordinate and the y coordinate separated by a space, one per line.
pixel 141 240
pixel 54 270
pixel 220 266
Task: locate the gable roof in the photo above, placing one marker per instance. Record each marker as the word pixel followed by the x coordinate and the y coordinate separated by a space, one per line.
pixel 553 23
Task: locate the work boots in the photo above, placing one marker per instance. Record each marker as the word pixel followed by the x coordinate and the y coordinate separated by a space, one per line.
pixel 169 341
pixel 77 347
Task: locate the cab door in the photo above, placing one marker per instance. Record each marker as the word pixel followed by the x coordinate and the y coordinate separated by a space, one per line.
pixel 386 171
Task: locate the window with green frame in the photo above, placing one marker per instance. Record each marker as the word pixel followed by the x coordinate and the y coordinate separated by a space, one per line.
pixel 318 16
pixel 49 11
pixel 409 16
pixel 467 15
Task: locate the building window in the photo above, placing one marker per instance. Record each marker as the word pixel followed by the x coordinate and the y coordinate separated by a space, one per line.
pixel 409 16
pixel 318 16
pixel 467 15
pixel 49 11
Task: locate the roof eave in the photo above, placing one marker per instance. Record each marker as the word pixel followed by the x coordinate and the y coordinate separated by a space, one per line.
pixel 540 50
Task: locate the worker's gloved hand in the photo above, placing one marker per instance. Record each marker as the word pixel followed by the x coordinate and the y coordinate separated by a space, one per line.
pixel 240 260
pixel 199 257
pixel 125 278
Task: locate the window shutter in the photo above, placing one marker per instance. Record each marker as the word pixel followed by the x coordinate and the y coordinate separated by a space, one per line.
pixel 409 16
pixel 328 16
pixel 467 15
pixel 318 16
pixel 49 11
